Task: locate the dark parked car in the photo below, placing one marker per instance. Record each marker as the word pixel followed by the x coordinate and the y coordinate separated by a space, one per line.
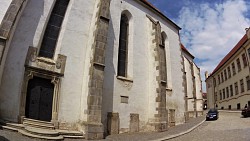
pixel 246 112
pixel 212 114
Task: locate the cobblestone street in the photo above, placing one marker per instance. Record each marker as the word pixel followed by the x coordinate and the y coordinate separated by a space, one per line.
pixel 229 127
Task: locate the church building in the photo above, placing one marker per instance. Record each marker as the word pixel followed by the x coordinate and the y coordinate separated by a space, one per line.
pixel 99 67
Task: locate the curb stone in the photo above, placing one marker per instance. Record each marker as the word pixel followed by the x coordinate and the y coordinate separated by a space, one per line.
pixel 179 134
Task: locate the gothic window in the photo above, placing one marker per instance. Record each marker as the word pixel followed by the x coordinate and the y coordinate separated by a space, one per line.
pixel 123 46
pixel 163 58
pixel 53 29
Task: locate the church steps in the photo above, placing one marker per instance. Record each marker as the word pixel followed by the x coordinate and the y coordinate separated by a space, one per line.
pixel 28 120
pixel 42 132
pixel 15 125
pixel 26 133
pixel 10 128
pixel 38 124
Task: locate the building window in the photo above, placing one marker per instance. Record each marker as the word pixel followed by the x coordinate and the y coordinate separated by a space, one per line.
pixel 219 79
pixel 214 82
pixel 163 64
pixel 215 96
pixel 248 82
pixel 224 95
pixel 233 68
pixel 238 106
pixel 220 95
pixel 231 90
pixel 241 86
pixel 225 73
pixel 229 107
pixel 227 90
pixel 123 49
pixel 238 64
pixel 228 71
pixel 236 88
pixel 248 52
pixel 53 29
pixel 244 59
pixel 222 78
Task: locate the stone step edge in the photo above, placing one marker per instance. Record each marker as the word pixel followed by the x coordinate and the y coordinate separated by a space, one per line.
pixel 69 132
pixel 15 125
pixel 42 132
pixel 38 125
pixel 10 128
pixel 37 121
pixel 73 137
pixel 41 137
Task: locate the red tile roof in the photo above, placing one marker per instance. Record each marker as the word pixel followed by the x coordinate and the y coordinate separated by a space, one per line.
pixel 231 53
pixel 159 12
pixel 185 50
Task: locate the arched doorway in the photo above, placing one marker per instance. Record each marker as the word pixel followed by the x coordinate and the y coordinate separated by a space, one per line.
pixel 39 99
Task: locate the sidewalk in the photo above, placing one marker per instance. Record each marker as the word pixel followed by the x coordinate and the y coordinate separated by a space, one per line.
pixel 159 136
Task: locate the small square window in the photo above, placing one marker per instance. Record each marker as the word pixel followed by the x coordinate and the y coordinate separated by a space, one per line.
pixel 124 99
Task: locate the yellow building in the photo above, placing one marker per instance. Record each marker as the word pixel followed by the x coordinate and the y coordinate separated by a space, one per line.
pixel 228 86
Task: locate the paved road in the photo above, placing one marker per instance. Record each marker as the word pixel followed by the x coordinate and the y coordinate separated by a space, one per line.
pixel 229 127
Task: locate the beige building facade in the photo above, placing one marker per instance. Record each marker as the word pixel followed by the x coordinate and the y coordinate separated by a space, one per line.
pixel 228 86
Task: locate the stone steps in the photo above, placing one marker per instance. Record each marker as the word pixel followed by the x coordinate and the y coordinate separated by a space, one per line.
pixel 23 132
pixel 43 130
pixel 10 128
pixel 71 134
pixel 38 123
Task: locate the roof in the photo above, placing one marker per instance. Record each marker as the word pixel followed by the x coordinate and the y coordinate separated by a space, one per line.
pixel 185 50
pixel 231 53
pixel 159 12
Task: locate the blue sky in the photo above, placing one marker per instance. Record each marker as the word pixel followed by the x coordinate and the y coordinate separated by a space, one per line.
pixel 210 28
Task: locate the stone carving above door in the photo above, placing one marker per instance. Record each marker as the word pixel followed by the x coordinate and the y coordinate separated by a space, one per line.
pixel 40 63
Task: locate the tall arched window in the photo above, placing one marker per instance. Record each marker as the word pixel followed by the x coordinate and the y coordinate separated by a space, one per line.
pixel 162 52
pixel 123 46
pixel 53 29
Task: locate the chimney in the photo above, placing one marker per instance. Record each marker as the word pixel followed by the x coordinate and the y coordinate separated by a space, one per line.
pixel 206 74
pixel 248 32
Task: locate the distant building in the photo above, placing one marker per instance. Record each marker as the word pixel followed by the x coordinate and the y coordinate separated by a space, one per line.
pixel 192 85
pixel 228 86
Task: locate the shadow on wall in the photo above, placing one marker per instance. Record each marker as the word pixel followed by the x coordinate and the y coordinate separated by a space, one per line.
pixel 3 138
pixel 109 76
pixel 24 36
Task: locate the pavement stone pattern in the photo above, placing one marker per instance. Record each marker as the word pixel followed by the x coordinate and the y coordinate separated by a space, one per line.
pixel 229 127
pixel 145 136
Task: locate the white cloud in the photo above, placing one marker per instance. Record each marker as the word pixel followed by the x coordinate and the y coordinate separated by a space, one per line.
pixel 210 31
